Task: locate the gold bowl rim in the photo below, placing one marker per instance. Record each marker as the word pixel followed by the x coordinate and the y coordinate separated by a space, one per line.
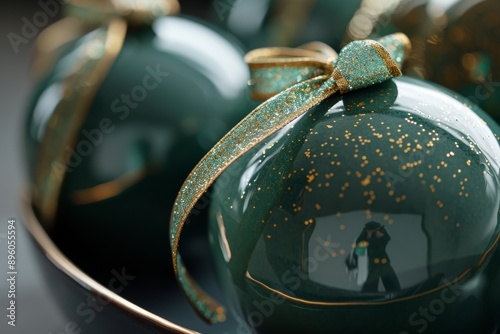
pixel 71 270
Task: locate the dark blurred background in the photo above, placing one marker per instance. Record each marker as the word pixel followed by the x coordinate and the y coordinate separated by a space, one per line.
pixel 37 311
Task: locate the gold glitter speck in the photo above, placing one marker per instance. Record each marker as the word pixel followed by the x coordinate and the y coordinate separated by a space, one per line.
pixel 366 181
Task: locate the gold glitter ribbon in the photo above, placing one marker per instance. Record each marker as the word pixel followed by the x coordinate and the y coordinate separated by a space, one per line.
pixel 305 76
pixel 275 69
pixel 107 21
pixel 83 16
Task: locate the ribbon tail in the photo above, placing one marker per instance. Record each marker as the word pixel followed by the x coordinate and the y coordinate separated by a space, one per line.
pixel 250 231
pixel 268 118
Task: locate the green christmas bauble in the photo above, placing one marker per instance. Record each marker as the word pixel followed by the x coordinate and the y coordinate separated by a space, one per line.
pixel 462 52
pixel 455 43
pixel 260 23
pixel 173 90
pixel 374 212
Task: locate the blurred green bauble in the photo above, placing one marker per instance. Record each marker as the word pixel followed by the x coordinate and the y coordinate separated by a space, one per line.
pixel 462 52
pixel 260 23
pixel 375 212
pixel 455 43
pixel 176 87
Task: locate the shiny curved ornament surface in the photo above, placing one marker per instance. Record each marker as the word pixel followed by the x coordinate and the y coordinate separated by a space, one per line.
pixel 369 208
pixel 172 91
pixel 94 59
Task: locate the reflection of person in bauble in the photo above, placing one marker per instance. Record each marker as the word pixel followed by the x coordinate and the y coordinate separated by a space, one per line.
pixel 375 238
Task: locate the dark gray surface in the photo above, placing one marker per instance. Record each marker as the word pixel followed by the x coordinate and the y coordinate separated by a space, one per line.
pixel 36 312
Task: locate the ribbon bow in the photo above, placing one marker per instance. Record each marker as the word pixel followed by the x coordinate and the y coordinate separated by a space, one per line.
pixel 303 77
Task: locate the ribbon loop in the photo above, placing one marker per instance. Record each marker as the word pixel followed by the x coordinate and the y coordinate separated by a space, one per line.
pixel 307 76
pixel 365 63
pixel 273 70
pixel 360 64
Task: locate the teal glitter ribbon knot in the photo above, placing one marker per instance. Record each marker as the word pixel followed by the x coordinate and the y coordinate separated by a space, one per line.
pixel 301 78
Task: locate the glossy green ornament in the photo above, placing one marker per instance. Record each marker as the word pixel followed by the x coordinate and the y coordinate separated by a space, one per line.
pixel 376 211
pixel 174 89
pixel 313 73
